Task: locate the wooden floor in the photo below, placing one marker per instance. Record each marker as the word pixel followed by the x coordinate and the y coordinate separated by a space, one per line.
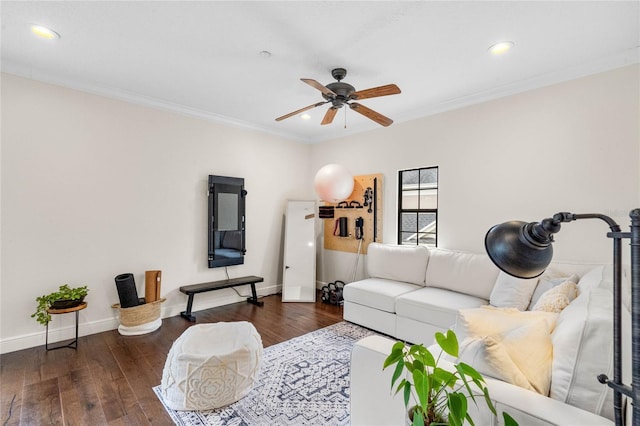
pixel 108 380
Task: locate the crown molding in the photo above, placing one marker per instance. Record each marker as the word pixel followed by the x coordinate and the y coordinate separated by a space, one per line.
pixel 618 60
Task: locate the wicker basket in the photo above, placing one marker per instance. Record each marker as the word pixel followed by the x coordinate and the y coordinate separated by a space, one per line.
pixel 141 314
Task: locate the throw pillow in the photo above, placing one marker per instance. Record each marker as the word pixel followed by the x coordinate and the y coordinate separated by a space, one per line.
pixel 473 351
pixel 521 356
pixel 598 277
pixel 489 320
pixel 512 292
pixel 558 298
pixel 547 281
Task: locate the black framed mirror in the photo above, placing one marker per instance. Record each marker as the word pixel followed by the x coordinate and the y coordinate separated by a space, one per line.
pixel 226 228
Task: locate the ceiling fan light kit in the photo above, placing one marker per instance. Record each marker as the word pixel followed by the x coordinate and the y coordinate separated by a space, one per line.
pixel 339 94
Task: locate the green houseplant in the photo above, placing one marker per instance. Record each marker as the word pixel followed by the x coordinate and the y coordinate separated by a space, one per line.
pixel 440 397
pixel 65 293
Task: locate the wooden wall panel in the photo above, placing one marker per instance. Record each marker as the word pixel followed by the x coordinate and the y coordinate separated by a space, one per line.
pixel 371 214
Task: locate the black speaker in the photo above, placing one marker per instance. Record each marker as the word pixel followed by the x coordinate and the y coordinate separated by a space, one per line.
pixel 127 292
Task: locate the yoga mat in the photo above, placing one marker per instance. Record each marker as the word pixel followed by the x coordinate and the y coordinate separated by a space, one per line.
pixel 127 291
pixel 152 285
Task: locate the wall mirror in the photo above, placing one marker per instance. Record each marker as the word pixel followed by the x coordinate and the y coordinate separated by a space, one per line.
pixel 299 269
pixel 226 228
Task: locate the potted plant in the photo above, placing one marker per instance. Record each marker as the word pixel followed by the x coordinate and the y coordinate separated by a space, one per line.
pixel 65 297
pixel 440 397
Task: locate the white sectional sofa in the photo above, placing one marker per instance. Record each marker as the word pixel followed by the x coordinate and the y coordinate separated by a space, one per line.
pixel 411 292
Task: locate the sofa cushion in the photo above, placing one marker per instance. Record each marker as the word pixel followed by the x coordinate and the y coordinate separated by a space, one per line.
pixel 377 293
pixel 399 263
pixel 583 347
pixel 512 292
pixel 435 305
pixel 466 273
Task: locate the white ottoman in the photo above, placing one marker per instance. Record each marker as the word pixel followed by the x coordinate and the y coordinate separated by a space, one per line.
pixel 211 365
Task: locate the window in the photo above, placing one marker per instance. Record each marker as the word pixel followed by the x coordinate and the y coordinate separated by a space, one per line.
pixel 418 206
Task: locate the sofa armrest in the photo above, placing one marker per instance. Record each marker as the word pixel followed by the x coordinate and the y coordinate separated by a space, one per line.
pixel 372 402
pixel 530 408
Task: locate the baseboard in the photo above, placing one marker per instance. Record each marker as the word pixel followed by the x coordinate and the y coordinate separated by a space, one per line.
pixel 56 335
pixel 87 328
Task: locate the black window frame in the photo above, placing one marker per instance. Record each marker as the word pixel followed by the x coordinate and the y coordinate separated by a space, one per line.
pixel 418 210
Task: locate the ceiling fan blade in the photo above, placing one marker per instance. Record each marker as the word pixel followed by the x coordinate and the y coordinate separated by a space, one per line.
pixel 328 117
pixel 374 92
pixel 371 114
pixel 291 114
pixel 319 86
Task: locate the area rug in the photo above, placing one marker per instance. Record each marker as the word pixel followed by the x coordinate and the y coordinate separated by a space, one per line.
pixel 303 381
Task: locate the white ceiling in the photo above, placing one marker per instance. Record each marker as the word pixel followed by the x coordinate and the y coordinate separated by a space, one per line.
pixel 202 57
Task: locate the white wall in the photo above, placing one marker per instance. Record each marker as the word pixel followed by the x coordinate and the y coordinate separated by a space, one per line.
pixel 572 147
pixel 93 187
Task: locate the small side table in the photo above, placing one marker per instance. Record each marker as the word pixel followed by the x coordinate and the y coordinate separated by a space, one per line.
pixel 74 343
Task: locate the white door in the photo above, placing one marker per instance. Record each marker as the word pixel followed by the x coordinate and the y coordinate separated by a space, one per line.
pixel 299 274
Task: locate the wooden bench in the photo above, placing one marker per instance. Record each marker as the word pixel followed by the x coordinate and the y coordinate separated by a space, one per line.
pixel 191 290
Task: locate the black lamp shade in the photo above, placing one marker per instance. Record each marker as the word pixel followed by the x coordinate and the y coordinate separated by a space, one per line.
pixel 512 248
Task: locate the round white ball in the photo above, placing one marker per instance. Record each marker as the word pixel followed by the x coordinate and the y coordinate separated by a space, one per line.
pixel 333 183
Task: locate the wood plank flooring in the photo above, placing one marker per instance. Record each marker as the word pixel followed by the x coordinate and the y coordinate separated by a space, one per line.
pixel 109 379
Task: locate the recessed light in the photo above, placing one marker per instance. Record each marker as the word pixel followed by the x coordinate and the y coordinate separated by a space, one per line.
pixel 501 47
pixel 305 116
pixel 43 32
pixel 265 54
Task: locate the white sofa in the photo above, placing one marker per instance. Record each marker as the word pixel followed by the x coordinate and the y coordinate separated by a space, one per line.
pixel 412 292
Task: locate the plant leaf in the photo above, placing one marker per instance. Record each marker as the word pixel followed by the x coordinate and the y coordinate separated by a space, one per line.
pixel 428 358
pixel 417 420
pixel 457 408
pixel 508 420
pixel 395 355
pixel 487 399
pixel 418 365
pixel 448 343
pixel 397 372
pixel 463 377
pixel 469 371
pixel 407 393
pixel 397 345
pixel 415 349
pixel 469 419
pixel 421 385
pixel 445 377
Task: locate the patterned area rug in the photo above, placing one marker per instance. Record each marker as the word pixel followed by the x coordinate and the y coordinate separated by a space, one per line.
pixel 303 381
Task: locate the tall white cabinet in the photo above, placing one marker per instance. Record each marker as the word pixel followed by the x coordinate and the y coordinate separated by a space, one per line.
pixel 299 269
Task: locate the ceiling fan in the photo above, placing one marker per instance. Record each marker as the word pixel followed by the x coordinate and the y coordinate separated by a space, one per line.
pixel 340 94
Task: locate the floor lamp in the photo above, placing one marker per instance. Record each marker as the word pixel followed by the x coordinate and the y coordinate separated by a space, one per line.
pixel 524 250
